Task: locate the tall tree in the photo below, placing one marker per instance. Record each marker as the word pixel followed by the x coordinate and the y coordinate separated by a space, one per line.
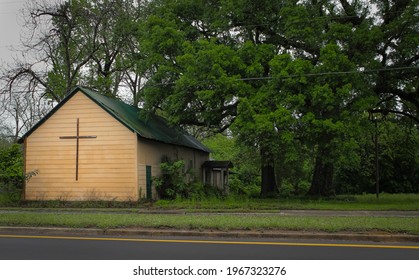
pixel 336 60
pixel 76 42
pixel 396 57
pixel 20 112
pixel 69 43
pixel 200 62
pixel 117 40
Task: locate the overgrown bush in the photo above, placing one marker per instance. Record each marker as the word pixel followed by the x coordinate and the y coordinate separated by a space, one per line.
pixel 11 174
pixel 237 187
pixel 176 181
pixel 172 182
pixel 11 167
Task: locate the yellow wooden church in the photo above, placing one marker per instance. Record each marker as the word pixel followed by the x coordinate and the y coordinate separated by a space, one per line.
pixel 91 147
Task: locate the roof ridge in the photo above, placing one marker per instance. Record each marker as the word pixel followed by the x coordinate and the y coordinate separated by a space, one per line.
pixel 153 127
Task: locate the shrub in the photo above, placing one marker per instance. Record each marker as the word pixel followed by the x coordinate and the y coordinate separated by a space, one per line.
pixel 177 182
pixel 11 167
pixel 172 181
pixel 11 174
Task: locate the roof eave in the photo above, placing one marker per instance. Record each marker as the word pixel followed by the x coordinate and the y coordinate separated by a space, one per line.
pixel 178 145
pixel 85 91
pixel 50 113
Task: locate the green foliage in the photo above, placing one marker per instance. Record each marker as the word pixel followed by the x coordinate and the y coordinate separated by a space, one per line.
pixel 11 174
pixel 291 83
pixel 245 177
pixel 398 160
pixel 11 167
pixel 176 182
pixel 172 180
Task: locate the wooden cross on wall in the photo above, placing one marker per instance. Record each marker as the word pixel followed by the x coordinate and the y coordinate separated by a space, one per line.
pixel 77 137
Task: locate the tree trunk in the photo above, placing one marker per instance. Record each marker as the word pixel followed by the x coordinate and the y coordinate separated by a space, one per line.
pixel 321 184
pixel 268 186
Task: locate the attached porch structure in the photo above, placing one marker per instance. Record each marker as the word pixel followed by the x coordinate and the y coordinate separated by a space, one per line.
pixel 216 173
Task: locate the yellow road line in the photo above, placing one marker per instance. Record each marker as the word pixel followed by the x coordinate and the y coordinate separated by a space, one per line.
pixel 213 242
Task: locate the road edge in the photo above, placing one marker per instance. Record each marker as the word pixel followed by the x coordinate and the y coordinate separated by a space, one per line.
pixel 157 232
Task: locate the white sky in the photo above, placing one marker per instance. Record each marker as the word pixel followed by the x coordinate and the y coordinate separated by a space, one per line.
pixel 10 27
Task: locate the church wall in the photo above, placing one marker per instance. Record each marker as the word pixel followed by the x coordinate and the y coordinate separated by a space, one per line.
pixel 107 164
pixel 151 153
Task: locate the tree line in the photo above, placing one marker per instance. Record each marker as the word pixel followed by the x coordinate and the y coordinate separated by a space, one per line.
pixel 318 97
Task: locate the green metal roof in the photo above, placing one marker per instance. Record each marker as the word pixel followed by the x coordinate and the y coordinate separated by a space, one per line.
pixel 145 124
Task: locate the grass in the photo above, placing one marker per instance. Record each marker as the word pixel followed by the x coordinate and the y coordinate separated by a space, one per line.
pixel 119 215
pixel 401 202
pixel 219 222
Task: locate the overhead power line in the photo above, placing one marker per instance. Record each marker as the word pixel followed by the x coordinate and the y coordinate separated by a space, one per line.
pixel 367 71
pixel 332 73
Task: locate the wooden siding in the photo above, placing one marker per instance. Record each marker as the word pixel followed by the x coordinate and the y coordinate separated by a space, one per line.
pixel 151 153
pixel 107 168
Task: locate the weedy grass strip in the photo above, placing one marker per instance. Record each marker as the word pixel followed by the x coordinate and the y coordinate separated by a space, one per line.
pixel 219 222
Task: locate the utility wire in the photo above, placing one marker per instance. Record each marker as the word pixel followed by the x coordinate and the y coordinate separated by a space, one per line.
pixel 367 71
pixel 332 73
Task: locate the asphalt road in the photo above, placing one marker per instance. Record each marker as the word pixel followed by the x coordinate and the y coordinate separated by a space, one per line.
pixel 20 247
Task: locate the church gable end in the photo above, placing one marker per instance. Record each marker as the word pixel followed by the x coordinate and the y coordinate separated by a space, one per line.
pixel 81 153
pixel 91 147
